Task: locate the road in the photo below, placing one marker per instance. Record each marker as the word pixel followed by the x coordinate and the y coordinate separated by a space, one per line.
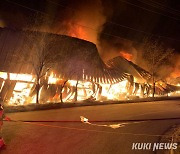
pixel 81 138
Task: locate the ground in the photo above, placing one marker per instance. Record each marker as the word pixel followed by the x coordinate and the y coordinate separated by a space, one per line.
pixel 76 137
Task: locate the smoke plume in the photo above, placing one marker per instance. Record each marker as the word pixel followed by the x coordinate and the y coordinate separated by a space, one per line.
pixel 83 19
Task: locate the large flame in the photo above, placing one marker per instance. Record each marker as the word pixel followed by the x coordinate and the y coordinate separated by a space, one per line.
pixel 24 84
pixel 22 87
pixel 84 90
pixel 77 31
pixel 116 91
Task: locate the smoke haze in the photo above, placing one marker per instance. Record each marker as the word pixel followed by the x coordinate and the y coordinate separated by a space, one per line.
pixel 83 19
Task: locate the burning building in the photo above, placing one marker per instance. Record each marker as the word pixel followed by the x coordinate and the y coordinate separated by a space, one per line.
pixel 56 68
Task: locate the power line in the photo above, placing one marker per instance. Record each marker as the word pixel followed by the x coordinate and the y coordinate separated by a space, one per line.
pixel 34 10
pixel 118 24
pixel 143 31
pixel 163 8
pixel 120 0
pixel 72 22
pixel 60 5
pixel 148 9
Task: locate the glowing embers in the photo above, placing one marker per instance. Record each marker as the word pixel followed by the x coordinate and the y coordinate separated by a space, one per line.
pixel 177 92
pixel 55 89
pixel 52 79
pixel 21 77
pixel 21 94
pixel 15 76
pixel 114 92
pixel 84 90
pixel 3 75
pixel 21 84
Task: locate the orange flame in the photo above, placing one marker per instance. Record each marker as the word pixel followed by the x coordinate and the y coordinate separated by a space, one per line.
pixel 77 31
pixel 126 55
pixel 175 74
pixel 176 70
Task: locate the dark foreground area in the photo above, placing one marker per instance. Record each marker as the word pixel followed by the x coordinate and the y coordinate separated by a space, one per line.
pixel 74 137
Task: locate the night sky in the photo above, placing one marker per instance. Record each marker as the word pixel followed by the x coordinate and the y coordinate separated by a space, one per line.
pixel 113 25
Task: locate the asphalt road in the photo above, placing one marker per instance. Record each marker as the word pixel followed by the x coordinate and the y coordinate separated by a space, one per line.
pixel 81 138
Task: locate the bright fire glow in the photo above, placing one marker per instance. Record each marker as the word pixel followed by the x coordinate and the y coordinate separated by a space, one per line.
pixel 126 55
pixel 176 93
pixel 77 31
pixel 115 91
pixel 24 89
pixel 52 79
pixel 15 76
pixel 20 93
pixel 3 75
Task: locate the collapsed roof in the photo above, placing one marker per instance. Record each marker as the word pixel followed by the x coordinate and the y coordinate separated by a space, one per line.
pixel 142 76
pixel 124 66
pixel 77 59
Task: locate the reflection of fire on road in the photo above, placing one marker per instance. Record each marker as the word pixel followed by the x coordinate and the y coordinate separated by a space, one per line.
pixel 114 126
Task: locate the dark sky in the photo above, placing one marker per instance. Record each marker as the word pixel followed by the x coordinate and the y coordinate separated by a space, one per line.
pixel 137 19
pixel 121 23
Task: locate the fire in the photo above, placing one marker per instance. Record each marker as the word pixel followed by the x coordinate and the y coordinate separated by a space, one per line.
pixel 176 93
pixel 3 75
pixel 75 30
pixel 176 68
pixel 84 90
pixel 126 55
pixel 52 79
pixel 24 84
pixel 115 91
pixel 78 32
pixel 21 93
pixel 175 74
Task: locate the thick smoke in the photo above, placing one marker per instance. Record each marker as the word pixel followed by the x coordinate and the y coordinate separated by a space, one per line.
pixel 110 48
pixel 84 19
pixel 169 68
pixel 78 18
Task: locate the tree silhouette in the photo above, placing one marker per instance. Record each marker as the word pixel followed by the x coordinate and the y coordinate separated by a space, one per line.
pixel 42 56
pixel 155 55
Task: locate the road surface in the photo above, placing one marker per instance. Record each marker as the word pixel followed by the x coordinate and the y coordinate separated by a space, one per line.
pixel 82 138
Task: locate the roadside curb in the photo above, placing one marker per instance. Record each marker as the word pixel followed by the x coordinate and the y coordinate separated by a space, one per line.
pixel 171 136
pixel 37 107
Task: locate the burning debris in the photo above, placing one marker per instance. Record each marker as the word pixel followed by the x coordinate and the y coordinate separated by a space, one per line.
pixel 76 71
